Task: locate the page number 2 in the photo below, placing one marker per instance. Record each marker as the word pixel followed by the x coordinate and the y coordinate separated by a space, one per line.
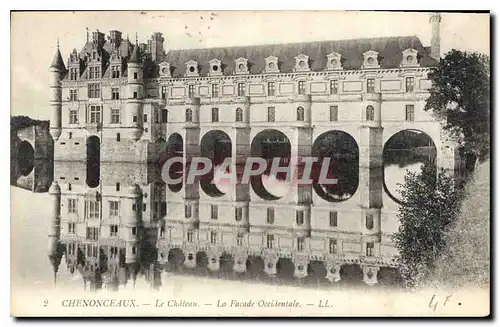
pixel 45 303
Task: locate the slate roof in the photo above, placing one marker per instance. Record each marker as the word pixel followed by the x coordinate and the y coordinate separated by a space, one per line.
pixel 389 49
pixel 58 61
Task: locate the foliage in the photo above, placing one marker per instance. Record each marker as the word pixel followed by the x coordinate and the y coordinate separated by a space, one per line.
pixel 18 122
pixel 460 96
pixel 432 203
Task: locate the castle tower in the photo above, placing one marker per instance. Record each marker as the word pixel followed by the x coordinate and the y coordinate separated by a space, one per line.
pixel 57 72
pixel 131 223
pixel 135 86
pixel 435 21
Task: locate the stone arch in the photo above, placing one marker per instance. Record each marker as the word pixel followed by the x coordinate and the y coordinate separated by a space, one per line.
pixel 175 148
pixel 404 150
pixel 93 145
pixel 215 145
pixel 269 144
pixel 25 158
pixel 343 151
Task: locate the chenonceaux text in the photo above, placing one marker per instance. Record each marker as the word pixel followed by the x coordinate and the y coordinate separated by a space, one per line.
pixel 105 303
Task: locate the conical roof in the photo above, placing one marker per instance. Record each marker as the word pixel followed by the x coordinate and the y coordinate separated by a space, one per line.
pixel 135 56
pixel 58 62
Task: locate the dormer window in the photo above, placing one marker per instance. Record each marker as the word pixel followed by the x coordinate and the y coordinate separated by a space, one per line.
pixel 241 65
pixel 302 63
pixel 333 61
pixel 115 71
pixel 370 59
pixel 215 67
pixel 271 65
pixel 410 58
pixel 165 69
pixel 192 68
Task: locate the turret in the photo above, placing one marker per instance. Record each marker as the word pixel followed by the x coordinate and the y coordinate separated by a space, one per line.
pixel 57 72
pixel 131 222
pixel 435 21
pixel 135 93
pixel 55 249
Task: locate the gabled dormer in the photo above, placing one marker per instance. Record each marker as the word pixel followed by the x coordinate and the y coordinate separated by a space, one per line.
pixel 165 69
pixel 116 64
pixel 75 66
pixel 241 65
pixel 370 60
pixel 271 65
pixel 410 58
pixel 192 68
pixel 94 64
pixel 302 63
pixel 334 61
pixel 215 67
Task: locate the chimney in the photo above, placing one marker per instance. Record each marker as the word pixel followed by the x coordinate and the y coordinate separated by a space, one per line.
pixel 435 21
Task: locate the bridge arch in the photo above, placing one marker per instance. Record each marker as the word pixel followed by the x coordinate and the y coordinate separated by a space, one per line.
pixel 343 151
pixel 269 144
pixel 215 145
pixel 25 158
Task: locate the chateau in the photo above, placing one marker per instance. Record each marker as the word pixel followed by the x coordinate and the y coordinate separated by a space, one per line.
pixel 118 102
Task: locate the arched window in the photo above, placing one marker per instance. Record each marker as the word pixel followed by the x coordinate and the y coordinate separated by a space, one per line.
pixel 189 115
pixel 239 114
pixel 300 114
pixel 369 222
pixel 370 113
pixel 299 218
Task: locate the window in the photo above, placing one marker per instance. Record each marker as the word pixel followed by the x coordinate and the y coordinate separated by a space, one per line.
pixel 270 114
pixel 92 234
pixel 189 236
pixel 73 116
pixel 239 240
pixel 115 93
pixel 215 90
pixel 189 115
pixel 370 113
pixel 270 216
pixel 164 115
pixel 94 72
pixel 145 118
pixel 239 114
pixel 302 87
pixel 114 208
pixel 300 114
pixel 369 249
pixel 71 228
pixel 299 217
pixel 113 230
pixel 191 91
pixel 333 219
pixel 270 241
pixel 300 244
pixel 134 250
pixel 334 113
pixel 334 86
pixel 115 116
pixel 134 119
pixel 73 74
pixel 187 211
pixel 113 252
pixel 214 212
pixel 134 231
pixel 410 84
pixel 117 186
pixel 271 89
pixel 144 207
pixel 135 75
pixel 73 95
pixel 163 92
pixel 238 214
pixel 95 114
pixel 369 221
pixel 94 90
pixel 241 89
pixel 333 245
pixel 215 115
pixel 92 209
pixel 71 248
pixel 370 85
pixel 135 95
pixel 115 71
pixel 410 112
pixel 70 135
pixel 213 237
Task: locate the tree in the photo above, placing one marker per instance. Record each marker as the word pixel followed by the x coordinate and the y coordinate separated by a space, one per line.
pixel 460 95
pixel 431 204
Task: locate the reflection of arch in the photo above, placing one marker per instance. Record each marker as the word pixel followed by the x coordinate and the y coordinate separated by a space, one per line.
pixel 25 158
pixel 239 114
pixel 316 270
pixel 176 258
pixel 254 266
pixel 175 148
pixel 404 149
pixel 201 259
pixel 388 276
pixel 343 151
pixel 216 146
pixel 285 268
pixel 93 161
pixel 351 273
pixel 226 263
pixel 269 144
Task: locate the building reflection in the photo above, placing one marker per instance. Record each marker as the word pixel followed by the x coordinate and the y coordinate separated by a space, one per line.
pixel 133 226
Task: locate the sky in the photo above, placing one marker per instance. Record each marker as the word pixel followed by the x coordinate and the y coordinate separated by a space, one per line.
pixel 34 36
